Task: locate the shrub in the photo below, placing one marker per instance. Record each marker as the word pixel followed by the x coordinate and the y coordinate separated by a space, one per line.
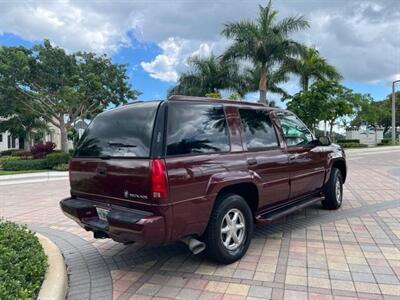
pixel 22 153
pixel 353 145
pixel 61 167
pixel 3 159
pixel 354 141
pixel 23 262
pixel 54 159
pixel 6 153
pixel 23 165
pixel 41 150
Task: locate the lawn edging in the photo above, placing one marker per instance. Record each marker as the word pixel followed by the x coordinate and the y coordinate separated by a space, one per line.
pixel 54 286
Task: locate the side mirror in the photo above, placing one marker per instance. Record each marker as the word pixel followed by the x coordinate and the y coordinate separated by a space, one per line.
pixel 324 141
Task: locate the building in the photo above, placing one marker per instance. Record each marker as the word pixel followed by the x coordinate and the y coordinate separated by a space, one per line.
pixel 8 142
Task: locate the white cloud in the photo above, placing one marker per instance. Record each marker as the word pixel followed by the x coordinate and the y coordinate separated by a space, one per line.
pixel 174 57
pixel 361 37
pixel 164 65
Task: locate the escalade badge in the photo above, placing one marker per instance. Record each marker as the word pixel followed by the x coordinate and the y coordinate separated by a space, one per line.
pixel 128 195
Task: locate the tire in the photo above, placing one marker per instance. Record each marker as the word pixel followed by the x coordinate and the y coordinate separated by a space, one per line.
pixel 227 206
pixel 333 190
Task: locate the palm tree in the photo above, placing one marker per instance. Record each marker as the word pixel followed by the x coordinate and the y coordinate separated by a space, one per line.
pixel 207 75
pixel 251 77
pixel 265 42
pixel 311 66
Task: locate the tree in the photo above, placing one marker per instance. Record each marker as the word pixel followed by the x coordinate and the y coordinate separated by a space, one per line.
pixel 250 81
pixel 376 113
pixel 61 88
pixel 207 75
pixel 264 43
pixel 326 100
pixel 22 124
pixel 311 66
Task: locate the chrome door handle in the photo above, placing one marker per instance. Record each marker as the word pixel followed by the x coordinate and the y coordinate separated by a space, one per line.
pixel 251 161
pixel 292 156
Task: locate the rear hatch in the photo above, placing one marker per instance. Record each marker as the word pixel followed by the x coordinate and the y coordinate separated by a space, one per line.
pixel 111 163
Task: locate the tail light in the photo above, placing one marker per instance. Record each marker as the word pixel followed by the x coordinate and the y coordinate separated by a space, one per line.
pixel 159 179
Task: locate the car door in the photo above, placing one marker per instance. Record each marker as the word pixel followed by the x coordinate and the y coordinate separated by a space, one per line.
pixel 307 162
pixel 266 159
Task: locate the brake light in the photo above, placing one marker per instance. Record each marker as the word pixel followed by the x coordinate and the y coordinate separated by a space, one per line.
pixel 159 179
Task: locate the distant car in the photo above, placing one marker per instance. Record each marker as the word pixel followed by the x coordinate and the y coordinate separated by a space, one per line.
pixel 202 171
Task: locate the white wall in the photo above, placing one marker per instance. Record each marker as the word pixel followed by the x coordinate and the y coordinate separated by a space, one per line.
pixel 4 142
pixel 368 137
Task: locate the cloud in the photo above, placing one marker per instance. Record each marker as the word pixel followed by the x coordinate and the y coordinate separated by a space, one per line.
pixel 164 65
pixel 361 37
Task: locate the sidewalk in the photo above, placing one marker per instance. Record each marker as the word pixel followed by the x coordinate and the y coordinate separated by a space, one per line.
pixel 33 177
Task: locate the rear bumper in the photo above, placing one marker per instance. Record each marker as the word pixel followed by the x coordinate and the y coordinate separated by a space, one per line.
pixel 122 225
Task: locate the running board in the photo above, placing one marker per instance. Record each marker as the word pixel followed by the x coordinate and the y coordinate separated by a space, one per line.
pixel 281 211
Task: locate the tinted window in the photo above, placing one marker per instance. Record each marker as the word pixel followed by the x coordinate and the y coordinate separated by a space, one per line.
pixel 294 130
pixel 121 132
pixel 196 128
pixel 257 128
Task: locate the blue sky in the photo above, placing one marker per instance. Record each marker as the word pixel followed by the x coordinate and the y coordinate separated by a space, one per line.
pixel 361 38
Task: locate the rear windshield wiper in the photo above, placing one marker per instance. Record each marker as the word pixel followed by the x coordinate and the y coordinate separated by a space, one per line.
pixel 116 144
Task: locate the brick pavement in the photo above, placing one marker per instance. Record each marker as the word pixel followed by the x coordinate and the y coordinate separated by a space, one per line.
pixel 313 254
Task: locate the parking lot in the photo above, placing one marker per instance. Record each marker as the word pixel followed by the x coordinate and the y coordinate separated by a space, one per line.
pixel 314 254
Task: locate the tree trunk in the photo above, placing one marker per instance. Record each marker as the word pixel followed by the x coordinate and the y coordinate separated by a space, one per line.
pixel 305 84
pixel 63 135
pixel 27 141
pixel 262 86
pixel 324 127
pixel 331 129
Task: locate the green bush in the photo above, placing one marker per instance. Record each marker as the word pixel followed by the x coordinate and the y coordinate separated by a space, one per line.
pixel 23 262
pixel 54 159
pixel 23 165
pixel 6 153
pixel 61 167
pixel 354 141
pixel 7 158
pixel 353 145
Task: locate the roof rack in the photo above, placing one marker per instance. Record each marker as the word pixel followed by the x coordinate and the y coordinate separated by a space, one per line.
pixel 208 99
pixel 133 102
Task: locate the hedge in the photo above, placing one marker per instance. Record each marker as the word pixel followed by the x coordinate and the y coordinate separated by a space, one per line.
pixel 23 262
pixel 353 145
pixel 3 159
pixel 23 165
pixel 354 141
pixel 58 158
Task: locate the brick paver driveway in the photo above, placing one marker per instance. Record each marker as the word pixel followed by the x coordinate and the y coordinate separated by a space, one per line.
pixel 350 253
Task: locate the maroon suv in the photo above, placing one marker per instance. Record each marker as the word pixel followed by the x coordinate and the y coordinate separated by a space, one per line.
pixel 198 170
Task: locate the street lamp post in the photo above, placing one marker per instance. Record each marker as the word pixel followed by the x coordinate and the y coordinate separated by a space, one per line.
pixel 394 112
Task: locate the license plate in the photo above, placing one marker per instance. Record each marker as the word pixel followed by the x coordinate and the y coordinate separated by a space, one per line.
pixel 102 213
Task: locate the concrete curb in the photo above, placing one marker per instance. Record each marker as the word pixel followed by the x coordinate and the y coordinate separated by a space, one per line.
pixel 33 177
pixel 54 286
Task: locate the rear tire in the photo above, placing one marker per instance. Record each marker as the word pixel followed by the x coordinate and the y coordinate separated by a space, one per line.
pixel 232 217
pixel 333 190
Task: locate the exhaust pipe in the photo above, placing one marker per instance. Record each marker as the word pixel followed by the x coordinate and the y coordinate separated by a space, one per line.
pixel 194 244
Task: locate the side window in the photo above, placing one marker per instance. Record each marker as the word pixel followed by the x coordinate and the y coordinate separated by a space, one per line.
pixel 196 128
pixel 294 130
pixel 257 128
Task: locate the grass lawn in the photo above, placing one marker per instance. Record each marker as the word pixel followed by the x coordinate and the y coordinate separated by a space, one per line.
pixel 3 172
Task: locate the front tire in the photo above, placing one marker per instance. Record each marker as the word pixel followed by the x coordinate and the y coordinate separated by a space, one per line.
pixel 229 230
pixel 333 190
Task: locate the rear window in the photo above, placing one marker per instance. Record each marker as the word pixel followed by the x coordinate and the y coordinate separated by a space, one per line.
pixel 196 128
pixel 258 130
pixel 122 132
